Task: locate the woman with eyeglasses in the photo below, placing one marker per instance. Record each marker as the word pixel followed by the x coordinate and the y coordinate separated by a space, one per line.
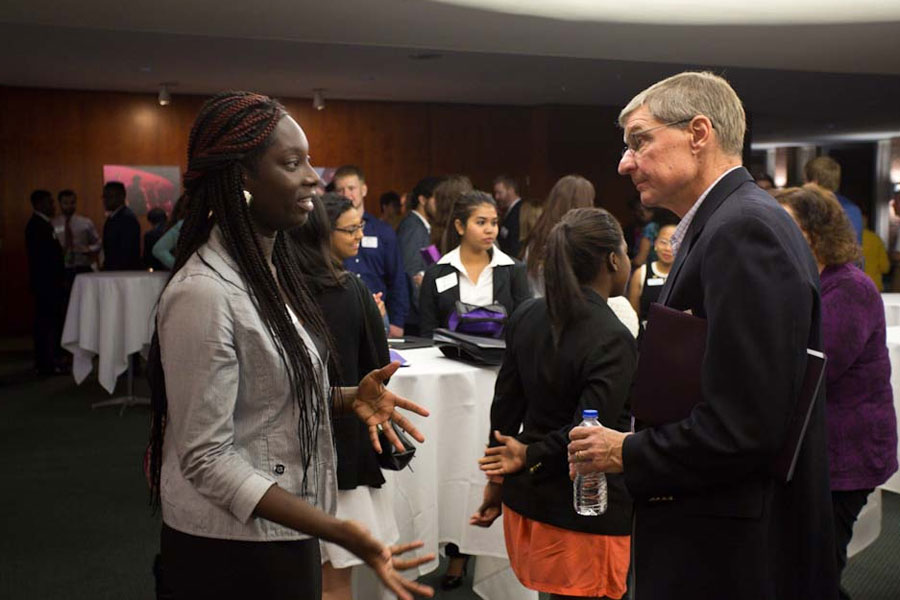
pixel 331 234
pixel 647 280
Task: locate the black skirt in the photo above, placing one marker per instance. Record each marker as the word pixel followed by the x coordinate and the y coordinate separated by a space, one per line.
pixel 196 568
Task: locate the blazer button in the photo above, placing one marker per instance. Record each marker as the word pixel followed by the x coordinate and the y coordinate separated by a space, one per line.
pixel 279 469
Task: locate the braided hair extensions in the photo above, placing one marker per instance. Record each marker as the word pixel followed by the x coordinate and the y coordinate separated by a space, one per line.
pixel 231 132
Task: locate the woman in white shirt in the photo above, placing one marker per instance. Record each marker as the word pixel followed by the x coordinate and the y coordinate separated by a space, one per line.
pixel 242 461
pixel 569 193
pixel 475 271
pixel 648 280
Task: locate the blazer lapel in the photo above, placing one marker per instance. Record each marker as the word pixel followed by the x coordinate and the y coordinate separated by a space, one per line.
pixel 501 285
pixel 713 201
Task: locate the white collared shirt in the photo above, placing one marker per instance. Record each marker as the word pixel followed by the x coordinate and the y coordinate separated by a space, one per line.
pixel 481 292
pixel 685 223
pixel 424 221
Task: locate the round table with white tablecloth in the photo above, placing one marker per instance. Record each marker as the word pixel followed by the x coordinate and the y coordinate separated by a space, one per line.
pixel 891 309
pixel 110 316
pixel 434 500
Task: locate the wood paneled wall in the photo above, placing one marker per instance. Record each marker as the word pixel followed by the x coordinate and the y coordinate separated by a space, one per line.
pixel 56 139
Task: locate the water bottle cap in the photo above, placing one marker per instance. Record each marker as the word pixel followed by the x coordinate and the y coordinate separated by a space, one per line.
pixel 589 414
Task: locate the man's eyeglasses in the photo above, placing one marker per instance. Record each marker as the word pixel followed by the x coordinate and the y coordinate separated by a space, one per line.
pixel 636 141
pixel 351 230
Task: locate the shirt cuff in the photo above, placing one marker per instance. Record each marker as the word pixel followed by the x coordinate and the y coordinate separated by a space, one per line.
pixel 248 496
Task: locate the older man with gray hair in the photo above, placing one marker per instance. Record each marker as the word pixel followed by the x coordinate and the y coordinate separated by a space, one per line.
pixel 712 521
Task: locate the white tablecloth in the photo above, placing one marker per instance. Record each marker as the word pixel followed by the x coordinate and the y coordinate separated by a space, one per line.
pixel 893 344
pixel 891 309
pixel 433 503
pixel 110 316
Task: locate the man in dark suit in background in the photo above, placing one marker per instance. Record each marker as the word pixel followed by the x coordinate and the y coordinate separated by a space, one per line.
pixel 46 272
pixel 121 232
pixel 506 194
pixel 414 234
pixel 711 521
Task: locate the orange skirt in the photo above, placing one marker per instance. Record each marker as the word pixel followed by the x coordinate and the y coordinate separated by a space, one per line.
pixel 570 563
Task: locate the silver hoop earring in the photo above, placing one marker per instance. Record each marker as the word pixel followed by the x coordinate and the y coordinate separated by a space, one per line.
pixel 248 197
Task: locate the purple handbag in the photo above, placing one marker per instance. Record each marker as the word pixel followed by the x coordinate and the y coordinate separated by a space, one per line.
pixel 485 321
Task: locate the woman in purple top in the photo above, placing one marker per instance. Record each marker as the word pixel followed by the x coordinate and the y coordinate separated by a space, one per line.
pixel 862 426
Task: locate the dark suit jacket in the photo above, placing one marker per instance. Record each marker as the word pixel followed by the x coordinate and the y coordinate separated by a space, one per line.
pixel 710 520
pixel 510 289
pixel 46 269
pixel 412 236
pixel 122 242
pixel 150 238
pixel 544 388
pixel 509 231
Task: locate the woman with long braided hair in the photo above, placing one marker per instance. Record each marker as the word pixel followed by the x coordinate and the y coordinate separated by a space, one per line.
pixel 242 458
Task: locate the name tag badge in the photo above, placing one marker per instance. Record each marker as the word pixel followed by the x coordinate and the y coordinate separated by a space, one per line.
pixel 446 282
pixel 369 241
pixel 656 281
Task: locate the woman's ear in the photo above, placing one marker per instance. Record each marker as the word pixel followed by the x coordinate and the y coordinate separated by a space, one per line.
pixel 243 171
pixel 460 229
pixel 612 262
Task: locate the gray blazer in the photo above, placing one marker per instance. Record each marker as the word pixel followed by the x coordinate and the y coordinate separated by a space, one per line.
pixel 232 424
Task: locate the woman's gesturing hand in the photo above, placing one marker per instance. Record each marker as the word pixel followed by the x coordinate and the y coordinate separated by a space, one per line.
pixel 503 460
pixel 375 405
pixel 385 562
pixel 491 506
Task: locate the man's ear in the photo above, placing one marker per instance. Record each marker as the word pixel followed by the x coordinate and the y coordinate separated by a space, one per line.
pixel 701 129
pixel 363 190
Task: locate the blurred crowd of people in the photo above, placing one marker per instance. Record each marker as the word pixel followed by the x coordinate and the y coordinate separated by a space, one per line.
pixel 271 355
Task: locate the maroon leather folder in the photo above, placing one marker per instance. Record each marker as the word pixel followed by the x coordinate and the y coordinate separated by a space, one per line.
pixel 668 380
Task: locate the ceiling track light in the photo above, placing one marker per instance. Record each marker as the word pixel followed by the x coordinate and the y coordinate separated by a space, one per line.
pixel 318 101
pixel 164 96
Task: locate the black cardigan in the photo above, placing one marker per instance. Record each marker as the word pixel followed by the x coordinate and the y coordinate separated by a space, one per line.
pixel 346 318
pixel 543 389
pixel 510 289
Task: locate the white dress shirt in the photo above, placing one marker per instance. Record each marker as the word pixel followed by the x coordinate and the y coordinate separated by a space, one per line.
pixel 480 292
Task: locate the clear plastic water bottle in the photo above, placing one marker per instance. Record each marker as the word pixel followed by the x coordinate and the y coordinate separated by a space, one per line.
pixel 589 491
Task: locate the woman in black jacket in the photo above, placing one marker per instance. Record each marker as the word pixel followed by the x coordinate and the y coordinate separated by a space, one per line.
pixel 565 353
pixel 475 271
pixel 331 234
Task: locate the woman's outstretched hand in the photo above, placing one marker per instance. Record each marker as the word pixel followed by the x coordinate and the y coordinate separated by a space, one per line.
pixel 375 405
pixel 503 460
pixel 385 561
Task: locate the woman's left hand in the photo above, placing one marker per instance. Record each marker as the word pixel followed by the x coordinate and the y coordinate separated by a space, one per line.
pixel 503 460
pixel 376 405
